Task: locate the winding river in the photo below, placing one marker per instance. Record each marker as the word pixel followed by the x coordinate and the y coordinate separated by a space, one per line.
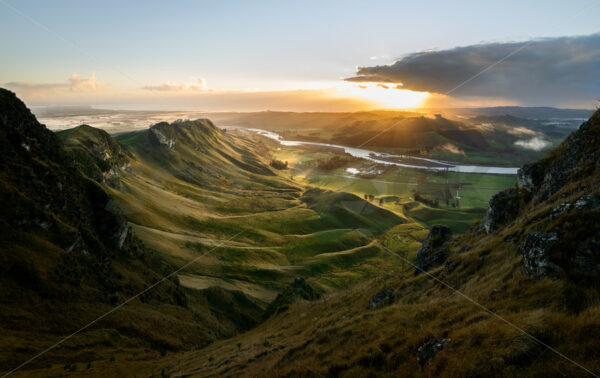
pixel 390 159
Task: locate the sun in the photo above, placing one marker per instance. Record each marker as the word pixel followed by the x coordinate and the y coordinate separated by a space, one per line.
pixel 389 96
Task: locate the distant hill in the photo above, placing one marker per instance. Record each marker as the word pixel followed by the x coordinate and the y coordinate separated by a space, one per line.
pixel 525 112
pixel 477 135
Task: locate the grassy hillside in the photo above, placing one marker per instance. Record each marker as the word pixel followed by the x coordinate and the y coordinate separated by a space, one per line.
pixel 107 217
pixel 67 257
pixel 201 184
pixel 517 295
pixel 527 298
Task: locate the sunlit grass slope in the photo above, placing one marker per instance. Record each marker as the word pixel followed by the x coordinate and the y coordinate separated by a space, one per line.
pixel 190 187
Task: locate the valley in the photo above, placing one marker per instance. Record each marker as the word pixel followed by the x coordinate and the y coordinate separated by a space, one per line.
pixel 292 258
pixel 299 189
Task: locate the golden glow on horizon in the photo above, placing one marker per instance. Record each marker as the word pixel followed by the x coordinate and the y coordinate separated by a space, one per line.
pixel 386 95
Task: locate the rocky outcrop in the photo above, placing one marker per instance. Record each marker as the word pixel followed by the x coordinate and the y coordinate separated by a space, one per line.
pixel 432 253
pixel 101 157
pixel 192 133
pixel 576 158
pixel 169 142
pixel 536 250
pixel 503 207
pixel 383 298
pixel 560 209
pixel 299 289
pixel 45 192
pixel 587 202
pixel 427 351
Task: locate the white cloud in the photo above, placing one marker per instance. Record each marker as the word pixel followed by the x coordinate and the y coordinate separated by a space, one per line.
pixel 535 143
pixel 520 130
pixel 75 83
pixel 172 86
pixel 83 84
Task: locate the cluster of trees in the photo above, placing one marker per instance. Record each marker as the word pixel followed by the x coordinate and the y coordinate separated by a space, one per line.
pixel 333 163
pixel 420 198
pixel 370 197
pixel 278 164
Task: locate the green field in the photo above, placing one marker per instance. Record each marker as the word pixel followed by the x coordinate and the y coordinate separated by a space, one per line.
pixel 462 197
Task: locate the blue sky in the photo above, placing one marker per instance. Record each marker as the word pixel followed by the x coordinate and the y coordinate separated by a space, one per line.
pixel 254 45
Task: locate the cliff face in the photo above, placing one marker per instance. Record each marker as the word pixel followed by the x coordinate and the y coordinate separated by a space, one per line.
pixel 563 190
pixel 195 133
pixel 42 190
pixel 64 250
pixel 98 155
pixel 574 160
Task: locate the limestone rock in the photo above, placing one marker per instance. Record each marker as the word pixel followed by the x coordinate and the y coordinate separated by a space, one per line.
pixel 503 207
pixel 536 250
pixel 431 254
pixel 587 202
pixel 560 209
pixel 427 351
pixel 382 299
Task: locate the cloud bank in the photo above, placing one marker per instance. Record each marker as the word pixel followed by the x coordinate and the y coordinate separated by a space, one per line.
pixel 535 143
pixel 75 83
pixel 171 86
pixel 551 71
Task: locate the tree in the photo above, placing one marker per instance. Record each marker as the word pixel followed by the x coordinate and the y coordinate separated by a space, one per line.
pixel 278 164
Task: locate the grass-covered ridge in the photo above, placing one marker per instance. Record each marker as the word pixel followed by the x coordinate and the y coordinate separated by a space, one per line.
pixel 91 220
pixel 341 334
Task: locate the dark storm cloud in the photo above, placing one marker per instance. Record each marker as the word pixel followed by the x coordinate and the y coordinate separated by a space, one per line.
pixel 546 71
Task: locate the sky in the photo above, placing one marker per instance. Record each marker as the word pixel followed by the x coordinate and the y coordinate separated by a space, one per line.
pixel 300 55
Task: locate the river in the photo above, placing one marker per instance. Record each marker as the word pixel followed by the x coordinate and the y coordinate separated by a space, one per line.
pixel 391 159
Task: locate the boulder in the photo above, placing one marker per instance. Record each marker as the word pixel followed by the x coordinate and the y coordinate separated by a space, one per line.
pixel 431 253
pixel 427 351
pixel 560 209
pixel 503 207
pixel 382 299
pixel 587 254
pixel 299 289
pixel 587 203
pixel 536 251
pixel 573 160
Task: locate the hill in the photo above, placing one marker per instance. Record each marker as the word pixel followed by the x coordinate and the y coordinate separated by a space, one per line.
pixel 503 135
pixel 93 220
pixel 68 256
pixel 515 296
